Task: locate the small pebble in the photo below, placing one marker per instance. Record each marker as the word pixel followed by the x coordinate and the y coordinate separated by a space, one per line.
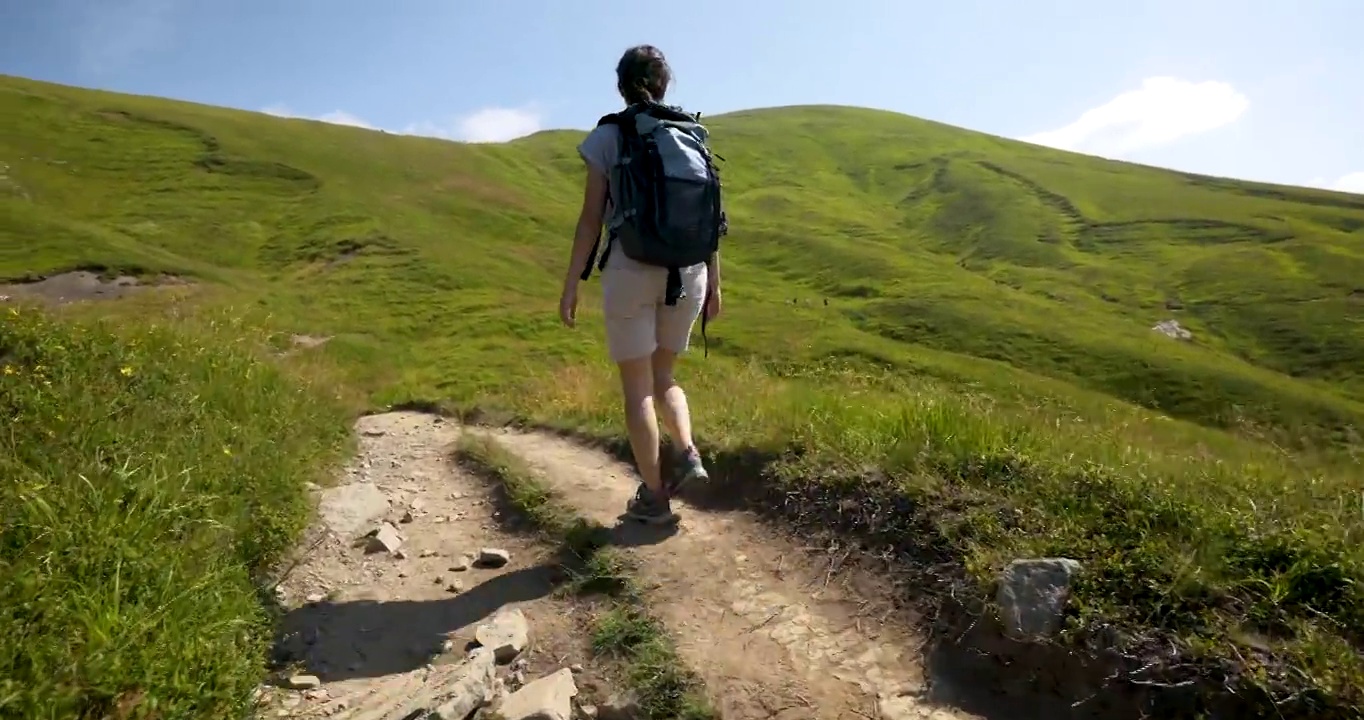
pixel 304 682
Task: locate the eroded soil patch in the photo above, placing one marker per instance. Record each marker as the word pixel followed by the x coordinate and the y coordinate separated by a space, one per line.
pixel 82 285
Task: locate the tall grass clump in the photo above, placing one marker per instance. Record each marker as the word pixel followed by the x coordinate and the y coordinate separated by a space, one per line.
pixel 147 477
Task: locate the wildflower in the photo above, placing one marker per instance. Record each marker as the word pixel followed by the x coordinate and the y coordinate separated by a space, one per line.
pixel 9 370
pixel 126 371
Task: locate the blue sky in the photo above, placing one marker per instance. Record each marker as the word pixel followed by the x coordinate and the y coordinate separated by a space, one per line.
pixel 1255 89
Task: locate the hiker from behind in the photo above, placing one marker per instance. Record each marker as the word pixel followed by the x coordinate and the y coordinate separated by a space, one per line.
pixel 652 181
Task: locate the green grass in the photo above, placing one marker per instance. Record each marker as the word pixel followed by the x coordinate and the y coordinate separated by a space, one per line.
pixel 624 634
pixel 151 474
pixel 986 346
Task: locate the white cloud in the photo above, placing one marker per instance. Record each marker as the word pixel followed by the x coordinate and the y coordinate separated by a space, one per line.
pixel 496 124
pixel 487 125
pixel 1349 182
pixel 1161 111
pixel 335 117
pixel 341 117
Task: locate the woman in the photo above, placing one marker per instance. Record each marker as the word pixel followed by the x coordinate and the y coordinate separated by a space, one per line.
pixel 643 336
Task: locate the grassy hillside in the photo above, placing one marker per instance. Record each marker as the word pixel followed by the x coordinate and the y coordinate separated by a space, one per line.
pixel 989 312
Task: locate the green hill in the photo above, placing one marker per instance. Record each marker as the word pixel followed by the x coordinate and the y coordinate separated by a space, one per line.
pixel 928 241
pixel 971 314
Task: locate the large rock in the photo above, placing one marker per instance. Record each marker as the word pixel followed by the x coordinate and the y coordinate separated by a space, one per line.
pixel 347 509
pixel 468 687
pixel 549 698
pixel 1032 595
pixel 506 634
pixel 443 691
pixel 492 558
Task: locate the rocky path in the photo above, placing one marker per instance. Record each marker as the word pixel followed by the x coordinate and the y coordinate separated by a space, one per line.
pixel 769 634
pixel 411 599
pixel 406 570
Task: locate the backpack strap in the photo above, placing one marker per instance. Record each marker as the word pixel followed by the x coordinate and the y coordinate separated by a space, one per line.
pixel 611 119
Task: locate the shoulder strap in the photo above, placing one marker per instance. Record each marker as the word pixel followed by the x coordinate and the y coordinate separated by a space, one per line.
pixel 675 114
pixel 616 119
pixel 662 112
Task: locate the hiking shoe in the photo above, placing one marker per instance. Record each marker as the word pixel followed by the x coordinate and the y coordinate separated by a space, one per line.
pixel 646 507
pixel 692 469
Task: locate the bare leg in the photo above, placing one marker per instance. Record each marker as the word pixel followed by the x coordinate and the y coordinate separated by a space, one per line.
pixel 636 379
pixel 671 399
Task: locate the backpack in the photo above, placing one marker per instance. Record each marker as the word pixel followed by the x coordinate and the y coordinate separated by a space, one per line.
pixel 669 213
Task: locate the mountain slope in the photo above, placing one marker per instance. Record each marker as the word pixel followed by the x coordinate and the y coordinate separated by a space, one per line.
pixel 925 235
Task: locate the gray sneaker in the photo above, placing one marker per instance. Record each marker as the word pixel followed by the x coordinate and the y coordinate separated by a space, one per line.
pixel 649 508
pixel 692 469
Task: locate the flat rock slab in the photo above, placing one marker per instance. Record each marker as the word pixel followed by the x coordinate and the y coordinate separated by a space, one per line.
pixel 347 509
pixel 549 698
pixel 466 688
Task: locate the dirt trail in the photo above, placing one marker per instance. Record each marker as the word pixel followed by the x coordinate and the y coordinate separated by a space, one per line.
pixel 769 634
pixel 382 632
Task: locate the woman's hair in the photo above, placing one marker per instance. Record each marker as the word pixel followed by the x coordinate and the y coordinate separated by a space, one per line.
pixel 642 75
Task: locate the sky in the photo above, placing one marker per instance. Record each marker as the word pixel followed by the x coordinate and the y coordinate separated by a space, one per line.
pixel 1253 89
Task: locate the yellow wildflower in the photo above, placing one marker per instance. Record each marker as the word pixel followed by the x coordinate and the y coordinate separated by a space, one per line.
pixel 9 370
pixel 126 371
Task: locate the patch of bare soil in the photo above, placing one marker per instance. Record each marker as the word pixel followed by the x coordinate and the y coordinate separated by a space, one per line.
pixel 80 286
pixel 410 599
pixel 306 342
pixel 766 629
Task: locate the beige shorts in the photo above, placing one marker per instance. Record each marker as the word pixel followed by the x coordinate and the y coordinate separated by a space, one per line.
pixel 637 321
